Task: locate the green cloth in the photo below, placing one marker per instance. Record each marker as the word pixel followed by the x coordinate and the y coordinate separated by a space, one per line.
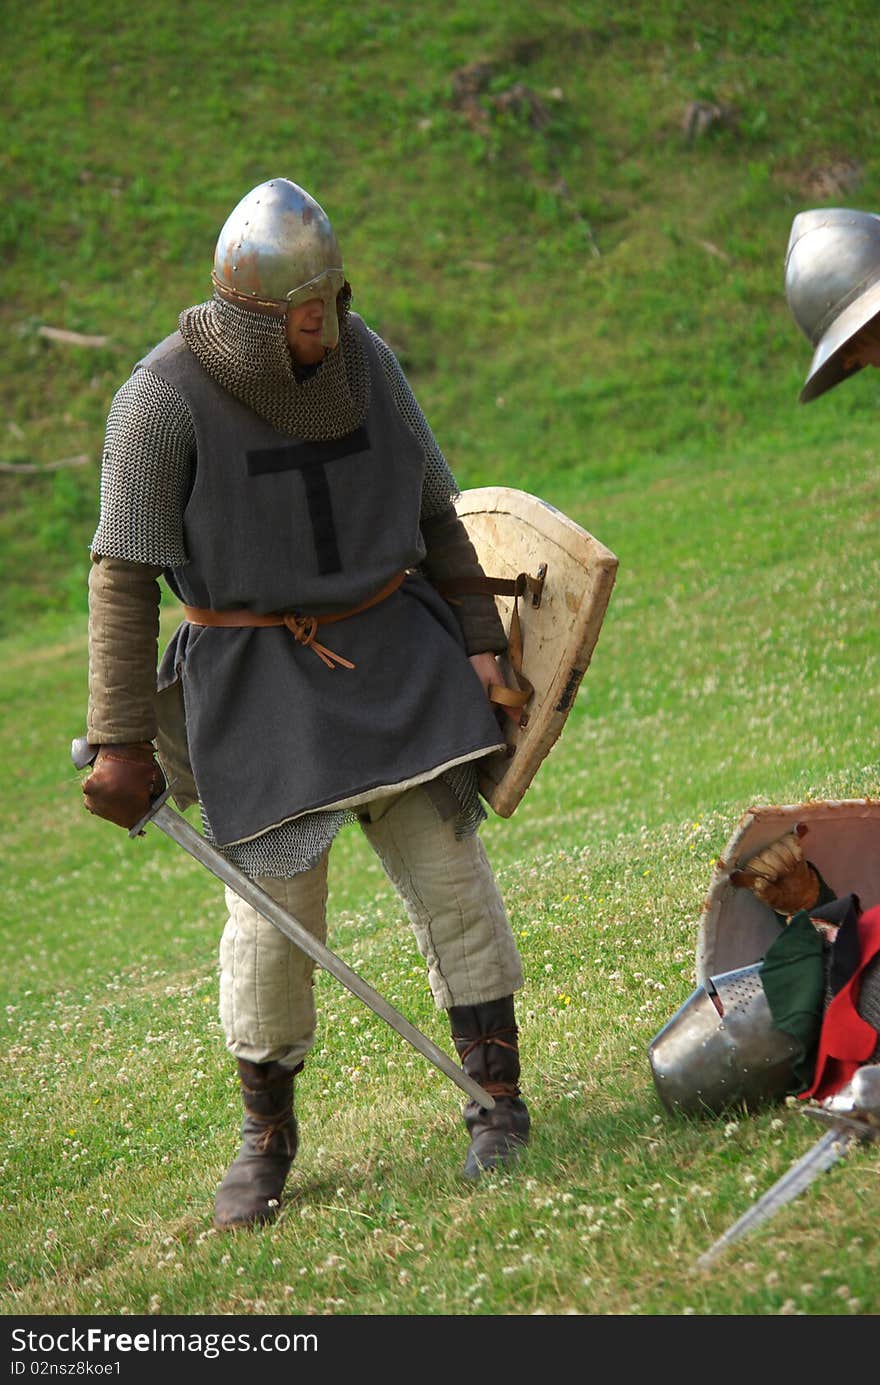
pixel 793 977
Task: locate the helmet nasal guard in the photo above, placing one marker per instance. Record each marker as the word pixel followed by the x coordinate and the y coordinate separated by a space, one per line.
pixel 832 283
pixel 722 1048
pixel 277 249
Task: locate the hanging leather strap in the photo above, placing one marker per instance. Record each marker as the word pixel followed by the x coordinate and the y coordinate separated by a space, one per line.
pixel 303 628
pixel 516 587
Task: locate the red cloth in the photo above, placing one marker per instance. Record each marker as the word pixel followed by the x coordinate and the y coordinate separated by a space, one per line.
pixel 846 1041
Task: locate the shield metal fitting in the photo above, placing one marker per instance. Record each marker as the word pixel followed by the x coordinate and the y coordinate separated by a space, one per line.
pixel 832 283
pixel 721 1049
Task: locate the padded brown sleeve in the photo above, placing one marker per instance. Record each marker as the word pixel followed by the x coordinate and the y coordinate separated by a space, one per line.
pixel 123 650
pixel 451 554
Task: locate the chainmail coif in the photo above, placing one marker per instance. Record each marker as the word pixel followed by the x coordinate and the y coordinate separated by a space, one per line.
pixel 247 354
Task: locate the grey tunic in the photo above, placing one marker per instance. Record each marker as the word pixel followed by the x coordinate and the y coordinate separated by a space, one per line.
pixel 149 464
pixel 275 524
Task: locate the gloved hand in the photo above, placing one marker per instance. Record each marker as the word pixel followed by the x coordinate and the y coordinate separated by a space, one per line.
pixel 123 783
pixel 505 700
pixel 780 876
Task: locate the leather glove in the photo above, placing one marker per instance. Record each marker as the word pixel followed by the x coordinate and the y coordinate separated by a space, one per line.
pixel 780 876
pixel 123 783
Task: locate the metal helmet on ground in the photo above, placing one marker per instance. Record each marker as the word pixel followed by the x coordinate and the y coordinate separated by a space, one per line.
pixel 832 283
pixel 722 1048
pixel 277 249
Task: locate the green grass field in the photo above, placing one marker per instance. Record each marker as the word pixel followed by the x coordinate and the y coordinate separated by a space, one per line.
pixel 590 308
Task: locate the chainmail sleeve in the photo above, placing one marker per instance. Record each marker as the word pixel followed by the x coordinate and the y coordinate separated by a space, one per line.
pixel 450 552
pixel 146 471
pixel 868 1003
pixel 439 488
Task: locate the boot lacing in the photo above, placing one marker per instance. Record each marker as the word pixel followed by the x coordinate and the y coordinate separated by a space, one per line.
pixel 274 1124
pixel 469 1045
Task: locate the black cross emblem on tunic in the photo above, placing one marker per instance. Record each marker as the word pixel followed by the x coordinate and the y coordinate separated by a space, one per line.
pixel 310 458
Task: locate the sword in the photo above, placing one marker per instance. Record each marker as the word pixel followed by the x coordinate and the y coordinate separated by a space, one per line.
pixel 847 1129
pixel 175 826
pixel 832 1146
pixel 854 1116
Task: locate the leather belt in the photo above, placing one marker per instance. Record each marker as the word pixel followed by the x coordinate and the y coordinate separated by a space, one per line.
pixel 303 628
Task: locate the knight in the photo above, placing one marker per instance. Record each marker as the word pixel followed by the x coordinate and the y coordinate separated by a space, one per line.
pixel 269 463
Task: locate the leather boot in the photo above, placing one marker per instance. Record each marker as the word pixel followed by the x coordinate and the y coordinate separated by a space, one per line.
pixel 251 1191
pixel 486 1039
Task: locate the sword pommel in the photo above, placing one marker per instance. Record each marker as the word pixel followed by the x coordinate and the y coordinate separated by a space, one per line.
pixel 82 753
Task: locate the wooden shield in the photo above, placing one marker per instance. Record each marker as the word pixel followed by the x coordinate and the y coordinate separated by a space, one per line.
pixel 560 615
pixel 842 839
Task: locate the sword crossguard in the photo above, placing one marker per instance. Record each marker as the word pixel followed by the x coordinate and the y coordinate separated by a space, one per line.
pixel 156 804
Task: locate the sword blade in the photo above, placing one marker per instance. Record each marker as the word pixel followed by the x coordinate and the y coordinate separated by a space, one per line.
pixel 179 830
pixel 823 1155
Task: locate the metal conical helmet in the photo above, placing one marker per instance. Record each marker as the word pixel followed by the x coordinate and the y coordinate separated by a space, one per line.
pixel 832 283
pixel 277 248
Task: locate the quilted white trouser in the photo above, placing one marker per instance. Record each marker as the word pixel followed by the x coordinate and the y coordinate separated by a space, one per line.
pixel 266 1004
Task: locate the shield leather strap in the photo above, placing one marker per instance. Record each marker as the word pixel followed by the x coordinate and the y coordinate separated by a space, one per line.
pixel 561 606
pixel 502 586
pixel 303 628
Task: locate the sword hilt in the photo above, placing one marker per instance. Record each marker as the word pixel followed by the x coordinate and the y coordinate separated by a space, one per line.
pixel 83 754
pixel 846 1124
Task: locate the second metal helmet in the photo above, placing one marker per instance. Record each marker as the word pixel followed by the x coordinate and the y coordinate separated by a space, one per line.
pixel 276 249
pixel 721 1049
pixel 832 283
